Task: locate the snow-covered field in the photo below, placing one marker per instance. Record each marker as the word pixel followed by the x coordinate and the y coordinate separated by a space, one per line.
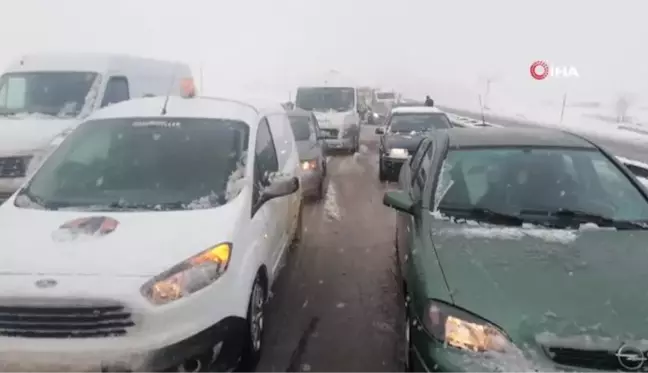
pixel 597 120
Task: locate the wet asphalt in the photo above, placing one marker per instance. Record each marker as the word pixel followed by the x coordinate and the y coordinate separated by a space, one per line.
pixel 336 305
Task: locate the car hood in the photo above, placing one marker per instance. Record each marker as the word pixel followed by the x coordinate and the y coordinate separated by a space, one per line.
pixel 307 150
pixel 404 141
pixel 142 244
pixel 332 119
pixel 18 136
pixel 554 285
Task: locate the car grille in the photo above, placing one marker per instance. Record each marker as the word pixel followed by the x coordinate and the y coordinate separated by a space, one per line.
pixel 330 132
pixel 593 359
pixel 64 321
pixel 12 167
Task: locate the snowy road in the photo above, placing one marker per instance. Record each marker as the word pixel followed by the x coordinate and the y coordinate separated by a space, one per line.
pixel 335 306
pixel 631 150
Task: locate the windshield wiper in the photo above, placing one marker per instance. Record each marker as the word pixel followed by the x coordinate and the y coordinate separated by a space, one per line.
pixel 482 213
pixel 588 217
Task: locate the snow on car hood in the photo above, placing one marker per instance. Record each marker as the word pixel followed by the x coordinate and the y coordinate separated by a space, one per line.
pixel 534 280
pixel 26 134
pixel 138 244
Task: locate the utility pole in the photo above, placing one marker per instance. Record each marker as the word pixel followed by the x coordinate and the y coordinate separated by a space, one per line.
pixel 562 110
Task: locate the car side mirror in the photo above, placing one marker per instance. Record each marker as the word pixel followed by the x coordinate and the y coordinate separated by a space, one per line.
pixel 279 186
pixel 380 131
pixel 400 201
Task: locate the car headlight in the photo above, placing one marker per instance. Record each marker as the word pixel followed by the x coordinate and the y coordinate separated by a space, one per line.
pixel 189 276
pixel 463 330
pixel 398 153
pixel 376 115
pixel 309 165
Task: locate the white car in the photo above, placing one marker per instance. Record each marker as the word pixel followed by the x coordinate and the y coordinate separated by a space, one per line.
pixel 149 239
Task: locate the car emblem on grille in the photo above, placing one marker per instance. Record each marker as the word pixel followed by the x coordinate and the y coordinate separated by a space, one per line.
pixel 630 358
pixel 46 283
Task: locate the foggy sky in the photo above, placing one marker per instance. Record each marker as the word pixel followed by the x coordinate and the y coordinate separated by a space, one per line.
pixel 442 46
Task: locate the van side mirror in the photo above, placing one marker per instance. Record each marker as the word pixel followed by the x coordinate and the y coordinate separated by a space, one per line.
pixel 279 186
pixel 380 131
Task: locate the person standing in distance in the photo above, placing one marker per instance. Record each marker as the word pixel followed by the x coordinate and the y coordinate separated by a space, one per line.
pixel 429 101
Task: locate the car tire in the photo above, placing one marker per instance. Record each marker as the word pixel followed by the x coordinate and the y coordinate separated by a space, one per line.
pixel 255 325
pixel 299 230
pixel 408 355
pixel 382 176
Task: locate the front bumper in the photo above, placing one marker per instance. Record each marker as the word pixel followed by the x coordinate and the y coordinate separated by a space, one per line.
pixel 339 144
pixel 157 338
pixel 392 166
pixel 124 357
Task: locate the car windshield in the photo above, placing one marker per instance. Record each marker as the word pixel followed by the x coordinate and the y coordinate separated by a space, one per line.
pixel 142 163
pixel 419 122
pixel 324 99
pixel 59 94
pixel 538 181
pixel 386 96
pixel 301 127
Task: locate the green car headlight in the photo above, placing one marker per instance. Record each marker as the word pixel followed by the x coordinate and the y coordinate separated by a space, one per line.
pixel 463 330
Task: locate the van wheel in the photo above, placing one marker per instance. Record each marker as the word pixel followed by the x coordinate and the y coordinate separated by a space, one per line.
pixel 255 326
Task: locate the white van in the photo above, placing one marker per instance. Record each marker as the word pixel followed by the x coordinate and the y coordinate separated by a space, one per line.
pixel 338 112
pixel 44 96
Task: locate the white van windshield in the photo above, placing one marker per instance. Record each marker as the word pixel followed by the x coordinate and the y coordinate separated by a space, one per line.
pixel 52 93
pixel 142 164
pixel 324 99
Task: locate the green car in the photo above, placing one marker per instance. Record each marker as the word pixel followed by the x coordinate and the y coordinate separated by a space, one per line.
pixel 521 250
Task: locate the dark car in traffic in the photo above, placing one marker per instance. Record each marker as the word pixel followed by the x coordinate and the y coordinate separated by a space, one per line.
pixel 312 152
pixel 521 250
pixel 404 129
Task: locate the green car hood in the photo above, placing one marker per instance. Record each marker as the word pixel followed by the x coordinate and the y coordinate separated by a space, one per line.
pixel 557 284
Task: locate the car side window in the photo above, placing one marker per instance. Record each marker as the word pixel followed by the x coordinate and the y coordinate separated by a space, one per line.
pixel 420 175
pixel 265 158
pixel 116 91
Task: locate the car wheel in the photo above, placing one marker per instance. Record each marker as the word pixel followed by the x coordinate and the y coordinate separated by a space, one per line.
pixel 408 344
pixel 381 172
pixel 299 230
pixel 255 325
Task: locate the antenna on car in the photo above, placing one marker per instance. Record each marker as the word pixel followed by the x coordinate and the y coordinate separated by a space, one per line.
pixel 166 100
pixel 481 106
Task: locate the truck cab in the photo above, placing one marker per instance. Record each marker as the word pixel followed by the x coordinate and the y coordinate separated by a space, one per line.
pixel 338 112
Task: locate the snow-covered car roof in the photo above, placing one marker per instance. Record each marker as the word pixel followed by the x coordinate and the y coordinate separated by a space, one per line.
pixel 249 112
pixel 415 110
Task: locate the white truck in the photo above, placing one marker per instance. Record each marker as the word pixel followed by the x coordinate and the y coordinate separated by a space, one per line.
pixel 337 110
pixel 43 97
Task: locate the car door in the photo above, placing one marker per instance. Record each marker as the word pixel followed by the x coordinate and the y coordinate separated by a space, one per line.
pixel 266 165
pixel 408 226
